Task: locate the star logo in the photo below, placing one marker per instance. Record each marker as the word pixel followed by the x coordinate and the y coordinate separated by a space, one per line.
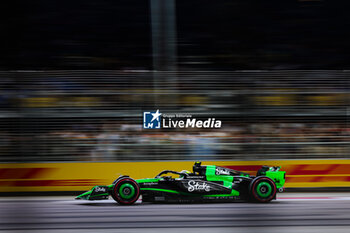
pixel 151 120
pixel 156 115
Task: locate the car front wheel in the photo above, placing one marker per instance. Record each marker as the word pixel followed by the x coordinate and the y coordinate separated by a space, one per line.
pixel 126 191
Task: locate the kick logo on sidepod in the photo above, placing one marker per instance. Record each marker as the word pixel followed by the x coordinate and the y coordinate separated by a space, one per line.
pixel 151 120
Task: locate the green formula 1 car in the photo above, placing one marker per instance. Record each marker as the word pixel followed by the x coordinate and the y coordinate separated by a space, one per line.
pixel 205 184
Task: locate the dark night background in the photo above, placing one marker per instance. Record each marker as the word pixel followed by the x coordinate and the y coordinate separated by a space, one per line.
pixel 214 35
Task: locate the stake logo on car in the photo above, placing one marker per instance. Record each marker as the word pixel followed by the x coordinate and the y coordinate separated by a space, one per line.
pixel 193 185
pixel 221 171
pixel 100 189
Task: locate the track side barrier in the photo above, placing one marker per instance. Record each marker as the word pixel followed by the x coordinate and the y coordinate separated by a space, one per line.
pixel 48 177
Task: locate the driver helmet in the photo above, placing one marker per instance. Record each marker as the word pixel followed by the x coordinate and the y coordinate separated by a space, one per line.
pixel 184 171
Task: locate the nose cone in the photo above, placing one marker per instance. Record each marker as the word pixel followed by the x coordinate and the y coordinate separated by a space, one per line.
pixel 83 196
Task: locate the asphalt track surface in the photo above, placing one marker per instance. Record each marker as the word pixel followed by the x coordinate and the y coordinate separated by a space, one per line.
pixel 291 213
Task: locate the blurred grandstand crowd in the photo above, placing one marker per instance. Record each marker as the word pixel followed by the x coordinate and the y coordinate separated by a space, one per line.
pixel 97 116
pixel 238 141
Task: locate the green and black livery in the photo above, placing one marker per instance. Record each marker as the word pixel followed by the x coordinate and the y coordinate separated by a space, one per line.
pixel 205 184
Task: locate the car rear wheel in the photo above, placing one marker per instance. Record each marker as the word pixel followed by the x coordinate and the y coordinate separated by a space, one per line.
pixel 126 191
pixel 262 189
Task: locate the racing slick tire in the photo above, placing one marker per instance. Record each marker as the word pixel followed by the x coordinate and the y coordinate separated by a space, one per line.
pixel 262 189
pixel 125 191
